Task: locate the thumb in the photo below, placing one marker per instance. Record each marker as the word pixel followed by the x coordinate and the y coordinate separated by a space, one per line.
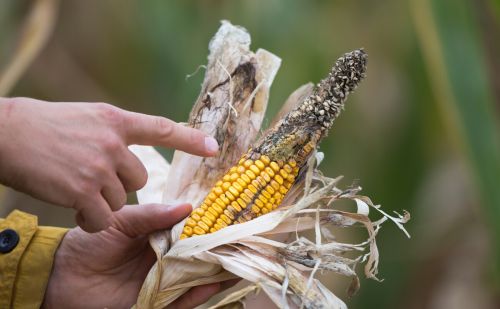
pixel 136 220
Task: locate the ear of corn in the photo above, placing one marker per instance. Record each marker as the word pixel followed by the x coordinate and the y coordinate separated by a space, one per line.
pixel 264 175
pixel 250 189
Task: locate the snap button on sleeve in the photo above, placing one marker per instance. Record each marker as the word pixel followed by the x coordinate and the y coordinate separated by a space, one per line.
pixel 8 240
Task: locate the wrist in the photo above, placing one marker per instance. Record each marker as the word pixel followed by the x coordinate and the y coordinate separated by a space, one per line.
pixel 6 135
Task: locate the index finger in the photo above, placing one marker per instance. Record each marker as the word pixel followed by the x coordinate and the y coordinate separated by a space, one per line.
pixel 150 130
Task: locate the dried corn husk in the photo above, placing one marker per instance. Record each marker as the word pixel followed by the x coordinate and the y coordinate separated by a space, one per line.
pixel 231 107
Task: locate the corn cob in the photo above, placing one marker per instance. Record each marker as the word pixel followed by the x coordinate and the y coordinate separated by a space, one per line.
pixel 258 183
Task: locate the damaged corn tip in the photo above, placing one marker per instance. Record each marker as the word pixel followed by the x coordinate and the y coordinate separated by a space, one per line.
pixel 263 176
pixel 249 189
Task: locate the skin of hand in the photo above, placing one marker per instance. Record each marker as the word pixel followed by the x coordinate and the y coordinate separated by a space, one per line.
pixel 107 269
pixel 76 155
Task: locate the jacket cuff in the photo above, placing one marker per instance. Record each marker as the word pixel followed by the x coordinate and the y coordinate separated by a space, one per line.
pixel 26 268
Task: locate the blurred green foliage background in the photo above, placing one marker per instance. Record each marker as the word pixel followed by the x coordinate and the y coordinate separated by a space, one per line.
pixel 421 133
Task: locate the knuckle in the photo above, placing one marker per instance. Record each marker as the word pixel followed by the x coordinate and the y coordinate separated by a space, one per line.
pixel 99 169
pixel 84 189
pixel 112 143
pixel 111 114
pixel 165 127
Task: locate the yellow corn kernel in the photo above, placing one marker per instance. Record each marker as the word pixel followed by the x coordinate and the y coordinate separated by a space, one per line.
pixel 283 173
pixel 236 206
pixel 232 169
pixel 212 230
pixel 260 164
pixel 264 210
pixel 278 179
pixel 246 178
pixel 256 183
pixel 274 166
pixel 250 174
pixel 290 178
pixel 188 230
pixel 204 206
pixel 211 196
pixel 263 198
pixel 220 203
pixel 213 212
pixel 249 193
pixel 221 222
pixel 241 203
pixel 265 159
pixel 218 183
pixel 268 206
pixel 207 221
pixel 241 182
pixel 218 191
pixel 240 162
pixel 274 184
pixel 196 217
pixel 292 163
pixel 226 186
pixel 259 203
pixel 253 189
pixel 225 219
pixel 278 196
pixel 245 197
pixel 255 169
pixel 238 187
pixel 265 194
pixel 234 176
pixel 224 198
pixel 270 188
pixel 204 226
pixel 226 178
pixel 183 236
pixel 261 180
pixel 217 208
pixel 269 171
pixel 287 168
pixel 217 226
pixel 190 222
pixel 283 190
pixel 247 163
pixel 210 216
pixel 288 184
pixel 230 196
pixel 233 190
pixel 198 230
pixel 199 211
pixel 265 176
pixel 241 169
pixel 255 209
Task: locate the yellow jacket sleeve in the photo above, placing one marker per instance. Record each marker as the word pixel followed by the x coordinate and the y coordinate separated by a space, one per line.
pixel 26 256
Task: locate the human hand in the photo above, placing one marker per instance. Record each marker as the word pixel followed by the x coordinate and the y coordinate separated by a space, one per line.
pixel 107 269
pixel 75 154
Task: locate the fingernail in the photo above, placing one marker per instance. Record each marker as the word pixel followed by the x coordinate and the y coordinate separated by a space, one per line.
pixel 211 144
